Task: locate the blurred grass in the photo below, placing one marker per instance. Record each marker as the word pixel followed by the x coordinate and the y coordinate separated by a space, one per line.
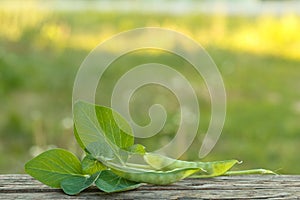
pixel 258 57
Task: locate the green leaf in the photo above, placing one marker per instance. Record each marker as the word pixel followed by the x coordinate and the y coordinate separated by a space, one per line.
pixel 110 182
pixel 78 139
pixel 209 169
pixel 103 150
pixel 102 131
pixel 77 183
pixel 137 149
pixel 53 166
pixel 90 165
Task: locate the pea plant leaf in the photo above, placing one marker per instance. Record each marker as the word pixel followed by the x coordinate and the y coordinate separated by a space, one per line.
pixel 91 166
pixel 137 149
pixel 110 182
pixel 54 166
pixel 101 131
pixel 77 183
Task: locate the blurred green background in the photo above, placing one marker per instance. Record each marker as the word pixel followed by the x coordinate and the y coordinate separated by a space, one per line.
pixel 258 54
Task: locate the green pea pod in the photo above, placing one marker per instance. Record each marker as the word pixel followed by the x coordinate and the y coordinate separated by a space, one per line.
pixel 152 176
pixel 208 169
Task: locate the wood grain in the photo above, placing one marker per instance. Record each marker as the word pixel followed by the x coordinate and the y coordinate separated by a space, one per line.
pixel 20 186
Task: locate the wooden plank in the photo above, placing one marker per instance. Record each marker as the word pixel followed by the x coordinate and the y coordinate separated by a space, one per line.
pixel 20 186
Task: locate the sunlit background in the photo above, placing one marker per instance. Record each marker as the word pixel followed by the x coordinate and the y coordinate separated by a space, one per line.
pixel 255 44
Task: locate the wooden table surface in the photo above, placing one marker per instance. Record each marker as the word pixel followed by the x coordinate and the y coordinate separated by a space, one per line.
pixel 20 186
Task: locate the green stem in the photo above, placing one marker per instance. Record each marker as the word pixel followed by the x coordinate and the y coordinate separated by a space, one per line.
pixel 250 171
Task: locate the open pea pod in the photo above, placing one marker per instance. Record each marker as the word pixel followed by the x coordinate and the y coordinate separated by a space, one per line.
pixel 206 169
